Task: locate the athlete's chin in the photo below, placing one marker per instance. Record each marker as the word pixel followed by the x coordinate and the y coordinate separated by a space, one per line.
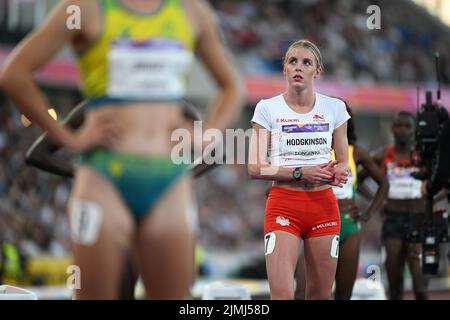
pixel 298 85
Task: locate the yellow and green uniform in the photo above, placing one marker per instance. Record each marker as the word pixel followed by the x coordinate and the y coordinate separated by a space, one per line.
pixel 348 225
pixel 140 180
pixel 10 265
pixel 138 56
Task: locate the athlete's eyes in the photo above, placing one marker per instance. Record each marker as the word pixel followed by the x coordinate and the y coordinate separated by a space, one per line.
pixel 307 62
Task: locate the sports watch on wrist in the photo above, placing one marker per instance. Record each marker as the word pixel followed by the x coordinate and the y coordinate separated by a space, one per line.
pixel 297 174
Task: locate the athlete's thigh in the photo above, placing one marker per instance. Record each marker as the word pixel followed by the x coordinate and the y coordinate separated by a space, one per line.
pixel 321 255
pixel 282 249
pixel 349 254
pixel 395 263
pixel 395 252
pixel 420 280
pixel 414 251
pixel 166 242
pixel 347 266
pixel 300 277
pixel 101 231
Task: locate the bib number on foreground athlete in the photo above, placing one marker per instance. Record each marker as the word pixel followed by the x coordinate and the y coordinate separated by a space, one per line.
pixel 147 70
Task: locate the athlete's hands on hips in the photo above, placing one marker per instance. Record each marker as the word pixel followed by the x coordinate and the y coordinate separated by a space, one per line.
pixel 354 212
pixel 366 217
pixel 320 174
pixel 98 131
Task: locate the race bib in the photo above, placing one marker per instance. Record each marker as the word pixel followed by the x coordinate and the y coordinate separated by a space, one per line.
pixel 147 70
pixel 402 185
pixel 305 142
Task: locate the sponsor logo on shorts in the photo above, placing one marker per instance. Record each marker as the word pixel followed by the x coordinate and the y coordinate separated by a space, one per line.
pixel 325 225
pixel 282 221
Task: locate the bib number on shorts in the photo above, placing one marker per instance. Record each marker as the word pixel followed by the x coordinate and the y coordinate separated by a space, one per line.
pixel 85 222
pixel 269 242
pixel 334 252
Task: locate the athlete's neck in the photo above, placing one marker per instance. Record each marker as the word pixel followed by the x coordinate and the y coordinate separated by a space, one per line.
pixel 403 147
pixel 301 99
pixel 143 6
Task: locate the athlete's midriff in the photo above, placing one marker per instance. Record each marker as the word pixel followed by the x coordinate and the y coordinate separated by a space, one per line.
pixel 408 205
pixel 147 127
pixel 301 186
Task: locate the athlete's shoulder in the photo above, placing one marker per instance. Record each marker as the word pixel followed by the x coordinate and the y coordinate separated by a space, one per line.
pixel 86 9
pixel 272 100
pixel 330 100
pixel 269 107
pixel 200 8
pixel 82 4
pixel 359 148
pixel 203 19
pixel 66 8
pixel 379 154
pixel 360 152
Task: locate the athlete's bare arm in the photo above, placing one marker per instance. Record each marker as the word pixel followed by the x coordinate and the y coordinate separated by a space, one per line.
pixel 191 113
pixel 226 106
pixel 34 52
pixel 378 157
pixel 340 146
pixel 258 167
pixel 41 154
pixel 374 171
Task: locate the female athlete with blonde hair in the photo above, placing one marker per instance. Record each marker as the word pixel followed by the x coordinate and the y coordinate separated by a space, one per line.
pixel 303 127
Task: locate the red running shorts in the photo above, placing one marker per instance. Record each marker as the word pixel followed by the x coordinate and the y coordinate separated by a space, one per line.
pixel 304 214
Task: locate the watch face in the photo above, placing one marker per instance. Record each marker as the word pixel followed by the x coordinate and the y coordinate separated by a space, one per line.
pixel 297 173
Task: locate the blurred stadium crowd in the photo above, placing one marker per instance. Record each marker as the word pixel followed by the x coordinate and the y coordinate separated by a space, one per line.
pixel 32 203
pixel 398 52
